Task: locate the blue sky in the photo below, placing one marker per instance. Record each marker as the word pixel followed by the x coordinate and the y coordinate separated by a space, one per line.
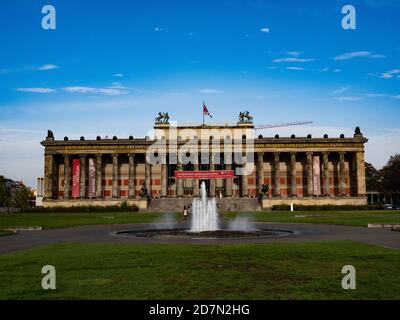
pixel 110 66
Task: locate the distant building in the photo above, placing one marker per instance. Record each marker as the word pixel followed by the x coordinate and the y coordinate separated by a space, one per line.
pixel 299 170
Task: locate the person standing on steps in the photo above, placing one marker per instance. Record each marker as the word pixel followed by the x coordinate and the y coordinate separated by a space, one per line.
pixel 185 213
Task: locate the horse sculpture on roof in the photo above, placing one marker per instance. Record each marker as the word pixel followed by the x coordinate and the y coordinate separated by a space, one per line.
pixel 163 117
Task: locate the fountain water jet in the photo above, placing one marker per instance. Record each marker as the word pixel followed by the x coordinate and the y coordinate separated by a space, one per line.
pixel 204 213
pixel 205 224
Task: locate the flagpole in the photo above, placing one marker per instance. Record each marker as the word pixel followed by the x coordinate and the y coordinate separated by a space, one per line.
pixel 203 112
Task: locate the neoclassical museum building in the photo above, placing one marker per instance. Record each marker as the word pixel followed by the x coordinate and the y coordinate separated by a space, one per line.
pixel 165 171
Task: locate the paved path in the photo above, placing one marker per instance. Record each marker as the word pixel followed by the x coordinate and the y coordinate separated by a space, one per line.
pixel 107 234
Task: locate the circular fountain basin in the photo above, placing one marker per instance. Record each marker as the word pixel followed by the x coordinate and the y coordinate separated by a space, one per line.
pixel 183 233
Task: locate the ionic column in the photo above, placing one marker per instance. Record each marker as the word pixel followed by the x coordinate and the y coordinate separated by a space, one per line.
pixel 163 177
pixel 309 168
pixel 342 175
pixel 147 176
pixel 360 173
pixel 49 176
pixel 115 176
pixel 277 188
pixel 131 176
pixel 244 189
pixel 212 181
pixel 82 180
pixel 260 171
pixel 325 162
pixel 99 176
pixel 179 182
pixel 293 185
pixel 67 176
pixel 196 181
pixel 228 182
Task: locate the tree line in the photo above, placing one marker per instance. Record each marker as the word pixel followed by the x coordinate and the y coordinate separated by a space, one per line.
pixel 385 180
pixel 14 195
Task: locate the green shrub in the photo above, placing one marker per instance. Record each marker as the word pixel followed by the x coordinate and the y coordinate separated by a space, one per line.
pixel 124 205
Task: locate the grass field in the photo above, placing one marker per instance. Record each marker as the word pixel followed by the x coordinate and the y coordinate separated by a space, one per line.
pixel 256 271
pixel 67 219
pixel 71 219
pixel 351 218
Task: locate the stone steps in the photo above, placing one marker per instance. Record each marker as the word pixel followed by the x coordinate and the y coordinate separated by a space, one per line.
pixel 238 204
pixel 224 204
pixel 168 204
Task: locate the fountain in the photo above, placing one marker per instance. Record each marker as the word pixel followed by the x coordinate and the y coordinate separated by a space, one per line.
pixel 204 213
pixel 205 223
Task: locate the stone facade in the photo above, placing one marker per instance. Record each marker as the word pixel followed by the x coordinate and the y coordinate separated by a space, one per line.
pixel 286 164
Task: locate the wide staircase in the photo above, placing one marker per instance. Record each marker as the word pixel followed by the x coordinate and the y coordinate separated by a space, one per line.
pixel 224 204
pixel 238 204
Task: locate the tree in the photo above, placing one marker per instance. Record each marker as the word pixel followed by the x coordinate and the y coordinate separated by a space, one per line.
pixel 373 178
pixel 391 175
pixel 6 198
pixel 2 191
pixel 22 197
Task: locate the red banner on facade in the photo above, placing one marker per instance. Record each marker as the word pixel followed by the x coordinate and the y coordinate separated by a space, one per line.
pixel 92 179
pixel 204 174
pixel 76 168
pixel 316 176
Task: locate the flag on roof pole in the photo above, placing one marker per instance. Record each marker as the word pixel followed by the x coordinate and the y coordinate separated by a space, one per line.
pixel 205 111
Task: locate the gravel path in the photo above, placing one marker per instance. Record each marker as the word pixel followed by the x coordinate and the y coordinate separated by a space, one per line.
pixel 107 234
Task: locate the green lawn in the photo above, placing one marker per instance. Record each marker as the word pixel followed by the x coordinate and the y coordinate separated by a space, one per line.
pixel 351 218
pixel 310 270
pixel 69 219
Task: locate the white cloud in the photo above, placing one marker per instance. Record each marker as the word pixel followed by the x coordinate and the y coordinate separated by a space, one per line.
pixel 210 91
pixel 341 90
pixel 265 30
pixel 160 29
pixel 390 74
pixel 382 95
pixel 36 90
pixel 348 98
pixel 294 68
pixel 108 91
pixel 294 53
pixel 291 59
pixel 118 75
pixel 332 70
pixel 118 85
pixel 376 95
pixel 46 67
pixel 357 54
pixel 377 56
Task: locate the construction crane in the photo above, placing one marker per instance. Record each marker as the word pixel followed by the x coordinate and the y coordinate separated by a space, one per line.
pixel 288 124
